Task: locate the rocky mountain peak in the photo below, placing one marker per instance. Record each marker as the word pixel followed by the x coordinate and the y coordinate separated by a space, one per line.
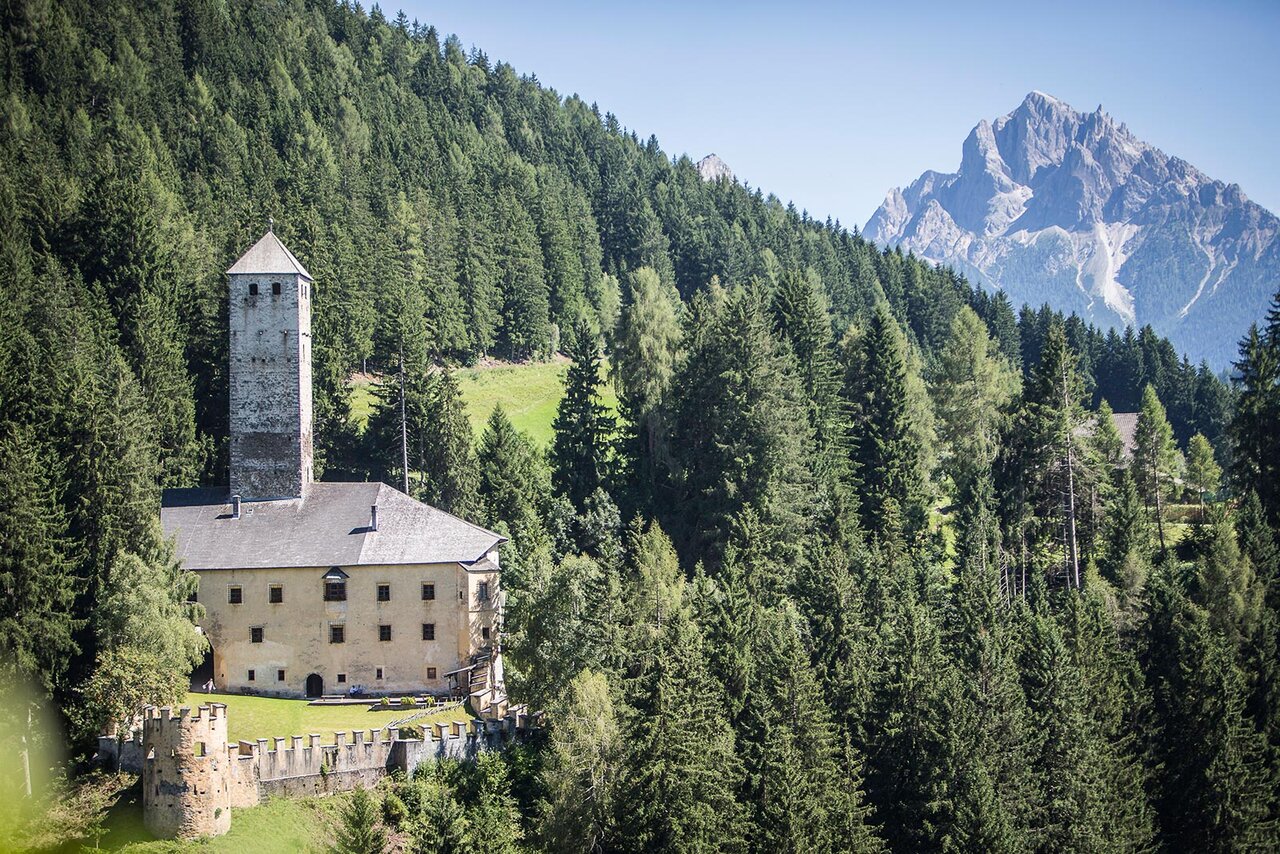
pixel 1052 204
pixel 712 168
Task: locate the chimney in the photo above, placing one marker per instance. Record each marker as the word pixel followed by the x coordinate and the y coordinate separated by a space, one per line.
pixel 235 507
pixel 373 517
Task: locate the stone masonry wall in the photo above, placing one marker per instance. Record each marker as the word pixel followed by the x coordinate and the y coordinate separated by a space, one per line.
pixel 270 386
pixel 192 778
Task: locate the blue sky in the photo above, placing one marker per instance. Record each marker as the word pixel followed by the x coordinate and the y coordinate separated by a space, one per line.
pixel 831 104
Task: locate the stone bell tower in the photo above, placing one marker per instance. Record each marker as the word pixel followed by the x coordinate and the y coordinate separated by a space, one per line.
pixel 270 366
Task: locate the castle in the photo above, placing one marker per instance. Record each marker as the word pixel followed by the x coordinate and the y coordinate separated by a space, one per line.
pixel 323 588
pixel 192 777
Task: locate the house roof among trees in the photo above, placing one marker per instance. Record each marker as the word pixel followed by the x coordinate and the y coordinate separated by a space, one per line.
pixel 330 526
pixel 1127 426
pixel 269 256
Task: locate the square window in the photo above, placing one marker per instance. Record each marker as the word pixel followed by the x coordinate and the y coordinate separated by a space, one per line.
pixel 337 634
pixel 253 289
pixel 379 676
pixel 431 673
pixel 255 634
pixel 251 675
pixel 235 595
pixel 428 631
pixel 342 678
pixel 384 633
pixel 275 594
pixel 279 675
pixel 428 592
pixel 384 592
pixel 275 289
pixel 483 592
pixel 335 591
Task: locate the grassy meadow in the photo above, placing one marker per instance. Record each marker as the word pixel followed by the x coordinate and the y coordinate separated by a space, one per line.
pixel 251 718
pixel 528 392
pixel 275 827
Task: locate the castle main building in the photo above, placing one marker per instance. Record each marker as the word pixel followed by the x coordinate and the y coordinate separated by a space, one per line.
pixel 318 588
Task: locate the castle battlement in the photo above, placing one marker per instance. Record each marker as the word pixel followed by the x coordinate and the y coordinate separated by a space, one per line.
pixel 192 777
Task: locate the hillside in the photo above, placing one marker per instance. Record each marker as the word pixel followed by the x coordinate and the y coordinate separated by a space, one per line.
pixel 863 564
pixel 529 393
pixel 1054 205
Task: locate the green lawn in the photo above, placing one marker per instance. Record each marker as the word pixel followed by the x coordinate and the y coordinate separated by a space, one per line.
pixel 529 393
pixel 251 718
pixel 279 825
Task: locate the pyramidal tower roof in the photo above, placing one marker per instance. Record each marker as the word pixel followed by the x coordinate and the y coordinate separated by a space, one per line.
pixel 269 256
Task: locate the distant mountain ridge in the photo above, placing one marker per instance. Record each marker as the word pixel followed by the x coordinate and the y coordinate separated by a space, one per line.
pixel 712 168
pixel 1054 205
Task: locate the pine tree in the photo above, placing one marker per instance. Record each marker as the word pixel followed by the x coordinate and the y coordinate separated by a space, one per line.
pixel 359 832
pixel 887 454
pixel 1051 469
pixel 1203 471
pixel 1155 457
pixel 971 387
pixel 1254 440
pixel 802 319
pixel 581 771
pixel 680 770
pixel 583 427
pixel 736 434
pixel 446 457
pixel 645 349
pixel 1214 792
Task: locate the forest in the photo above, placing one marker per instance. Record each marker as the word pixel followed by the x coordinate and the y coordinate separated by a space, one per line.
pixel 862 564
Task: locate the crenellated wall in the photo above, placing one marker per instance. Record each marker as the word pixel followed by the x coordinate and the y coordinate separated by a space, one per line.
pixel 192 778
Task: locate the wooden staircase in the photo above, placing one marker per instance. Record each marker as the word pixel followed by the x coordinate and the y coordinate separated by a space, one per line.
pixel 486 697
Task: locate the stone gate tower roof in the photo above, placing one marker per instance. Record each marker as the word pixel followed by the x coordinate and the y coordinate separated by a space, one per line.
pixel 269 257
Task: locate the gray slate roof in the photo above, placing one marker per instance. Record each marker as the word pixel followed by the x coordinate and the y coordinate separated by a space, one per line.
pixel 269 256
pixel 329 527
pixel 1127 426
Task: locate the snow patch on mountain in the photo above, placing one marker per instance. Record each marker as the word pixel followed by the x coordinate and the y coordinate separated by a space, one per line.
pixel 1054 205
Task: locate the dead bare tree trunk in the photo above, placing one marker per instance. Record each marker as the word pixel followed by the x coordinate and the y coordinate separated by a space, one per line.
pixel 1155 476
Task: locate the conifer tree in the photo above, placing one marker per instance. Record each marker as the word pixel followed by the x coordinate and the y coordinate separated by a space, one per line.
pixel 581 771
pixel 1255 442
pixel 359 832
pixel 1052 467
pixel 1155 457
pixel 446 456
pixel 680 768
pixel 971 387
pixel 1214 791
pixel 583 427
pixel 886 452
pixel 736 434
pixel 802 319
pixel 1203 471
pixel 645 348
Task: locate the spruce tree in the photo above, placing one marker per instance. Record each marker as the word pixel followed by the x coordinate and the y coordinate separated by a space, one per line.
pixel 359 832
pixel 1051 469
pixel 1255 442
pixel 886 453
pixel 583 427
pixel 681 769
